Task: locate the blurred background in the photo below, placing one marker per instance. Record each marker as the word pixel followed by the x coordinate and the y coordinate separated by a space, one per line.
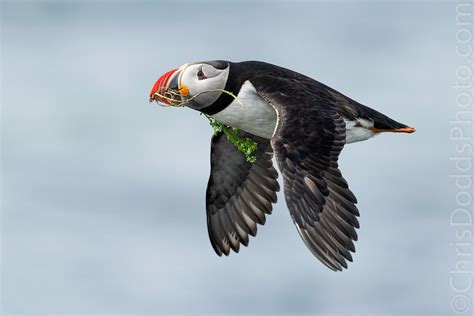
pixel 103 194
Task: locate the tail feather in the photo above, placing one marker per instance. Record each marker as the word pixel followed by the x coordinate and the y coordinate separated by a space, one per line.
pixel 354 111
pixel 381 121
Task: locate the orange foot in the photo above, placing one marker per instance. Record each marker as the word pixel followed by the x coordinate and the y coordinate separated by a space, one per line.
pixel 408 130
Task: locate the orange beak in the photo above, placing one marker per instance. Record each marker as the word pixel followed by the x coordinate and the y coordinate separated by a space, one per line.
pixel 162 85
pixel 168 89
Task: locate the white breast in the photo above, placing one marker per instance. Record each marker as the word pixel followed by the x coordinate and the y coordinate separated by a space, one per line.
pixel 252 114
pixel 256 116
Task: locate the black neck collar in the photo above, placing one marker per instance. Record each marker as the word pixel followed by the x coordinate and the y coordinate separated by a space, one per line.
pixel 233 85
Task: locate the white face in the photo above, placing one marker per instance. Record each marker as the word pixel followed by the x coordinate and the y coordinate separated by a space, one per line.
pixel 201 81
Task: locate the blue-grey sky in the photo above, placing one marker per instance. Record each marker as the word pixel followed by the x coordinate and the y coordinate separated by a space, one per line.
pixel 103 193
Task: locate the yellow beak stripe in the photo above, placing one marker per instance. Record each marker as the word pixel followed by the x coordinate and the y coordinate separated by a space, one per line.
pixel 184 91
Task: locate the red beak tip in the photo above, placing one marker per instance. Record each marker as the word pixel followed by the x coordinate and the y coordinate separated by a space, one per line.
pixel 154 89
pixel 159 84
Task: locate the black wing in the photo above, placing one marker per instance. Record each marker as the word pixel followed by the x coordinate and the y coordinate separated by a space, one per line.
pixel 239 193
pixel 309 137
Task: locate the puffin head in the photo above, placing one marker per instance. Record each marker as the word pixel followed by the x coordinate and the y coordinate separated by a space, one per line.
pixel 196 85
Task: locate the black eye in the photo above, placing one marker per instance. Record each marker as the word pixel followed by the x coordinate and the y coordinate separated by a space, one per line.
pixel 201 75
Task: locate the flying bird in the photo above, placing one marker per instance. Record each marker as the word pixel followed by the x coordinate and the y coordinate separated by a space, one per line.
pixel 304 124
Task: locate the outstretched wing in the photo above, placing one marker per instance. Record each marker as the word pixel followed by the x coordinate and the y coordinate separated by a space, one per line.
pixel 239 193
pixel 309 137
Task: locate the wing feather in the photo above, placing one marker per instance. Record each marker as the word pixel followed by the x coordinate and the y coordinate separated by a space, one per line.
pixel 239 193
pixel 308 140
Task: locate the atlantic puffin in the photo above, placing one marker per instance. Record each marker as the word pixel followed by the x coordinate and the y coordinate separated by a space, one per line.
pixel 304 124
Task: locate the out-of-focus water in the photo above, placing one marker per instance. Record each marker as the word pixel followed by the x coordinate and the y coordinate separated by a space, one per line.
pixel 103 193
